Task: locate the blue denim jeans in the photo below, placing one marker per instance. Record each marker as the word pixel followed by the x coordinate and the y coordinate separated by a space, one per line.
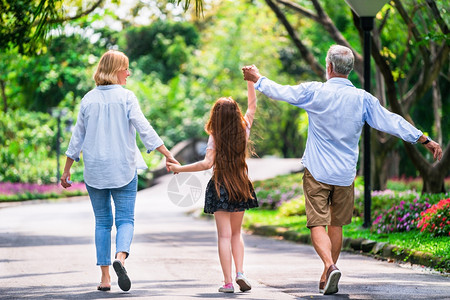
pixel 124 200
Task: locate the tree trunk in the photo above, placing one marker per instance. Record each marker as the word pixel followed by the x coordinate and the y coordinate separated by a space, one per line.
pixel 379 169
pixel 3 90
pixel 432 174
pixel 437 106
pixel 307 55
pixel 382 146
pixel 429 65
pixel 433 181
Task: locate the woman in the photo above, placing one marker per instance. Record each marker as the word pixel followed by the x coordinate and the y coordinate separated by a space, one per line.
pixel 106 134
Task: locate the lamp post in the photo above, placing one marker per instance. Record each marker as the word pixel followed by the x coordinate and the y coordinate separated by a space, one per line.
pixel 58 114
pixel 366 10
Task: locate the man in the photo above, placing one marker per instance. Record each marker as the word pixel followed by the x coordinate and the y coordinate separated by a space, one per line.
pixel 337 112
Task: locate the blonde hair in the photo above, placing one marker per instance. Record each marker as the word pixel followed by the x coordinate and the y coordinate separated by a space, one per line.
pixel 110 63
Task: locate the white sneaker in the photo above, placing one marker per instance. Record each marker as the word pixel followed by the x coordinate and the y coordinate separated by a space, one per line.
pixel 243 283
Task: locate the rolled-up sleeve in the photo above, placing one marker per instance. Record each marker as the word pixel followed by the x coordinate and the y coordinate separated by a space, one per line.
pixel 381 119
pixel 148 135
pixel 77 139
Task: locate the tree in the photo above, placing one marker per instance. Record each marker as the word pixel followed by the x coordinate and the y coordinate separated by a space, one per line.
pixel 405 79
pixel 162 47
pixel 26 24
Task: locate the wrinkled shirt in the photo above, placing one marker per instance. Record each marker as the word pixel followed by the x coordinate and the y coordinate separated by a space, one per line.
pixel 337 112
pixel 106 134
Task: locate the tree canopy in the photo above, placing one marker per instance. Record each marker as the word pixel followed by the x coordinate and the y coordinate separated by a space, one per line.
pixel 182 61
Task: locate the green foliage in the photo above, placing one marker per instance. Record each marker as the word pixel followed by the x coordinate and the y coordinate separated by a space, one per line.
pixel 47 79
pixel 438 246
pixel 186 4
pixel 171 109
pixel 293 207
pixel 28 151
pixel 24 24
pixel 163 47
pixel 272 217
pixel 26 138
pixel 402 184
pixel 272 193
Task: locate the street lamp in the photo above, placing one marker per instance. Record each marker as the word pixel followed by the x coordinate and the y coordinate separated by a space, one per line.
pixel 58 114
pixel 366 10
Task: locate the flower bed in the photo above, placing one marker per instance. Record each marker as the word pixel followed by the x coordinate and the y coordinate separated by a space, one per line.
pixel 396 216
pixel 27 191
pixel 436 219
pixel 402 217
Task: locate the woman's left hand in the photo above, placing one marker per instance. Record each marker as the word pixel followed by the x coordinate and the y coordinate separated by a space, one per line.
pixel 171 161
pixel 65 180
pixel 175 168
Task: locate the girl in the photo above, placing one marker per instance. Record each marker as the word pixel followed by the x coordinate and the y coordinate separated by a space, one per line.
pixel 229 192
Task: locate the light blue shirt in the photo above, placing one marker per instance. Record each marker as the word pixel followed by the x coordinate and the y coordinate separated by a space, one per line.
pixel 337 112
pixel 106 134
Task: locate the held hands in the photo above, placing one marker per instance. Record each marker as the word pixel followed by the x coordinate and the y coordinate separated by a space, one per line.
pixel 176 168
pixel 171 161
pixel 251 73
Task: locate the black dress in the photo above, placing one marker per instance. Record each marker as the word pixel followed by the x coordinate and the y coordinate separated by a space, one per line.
pixel 214 203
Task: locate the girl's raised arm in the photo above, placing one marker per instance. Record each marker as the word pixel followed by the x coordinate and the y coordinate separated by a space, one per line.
pixel 251 108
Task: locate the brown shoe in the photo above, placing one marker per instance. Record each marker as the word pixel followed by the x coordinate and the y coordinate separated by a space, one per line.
pixel 321 286
pixel 333 276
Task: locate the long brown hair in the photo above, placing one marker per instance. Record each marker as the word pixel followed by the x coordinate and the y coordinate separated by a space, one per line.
pixel 228 128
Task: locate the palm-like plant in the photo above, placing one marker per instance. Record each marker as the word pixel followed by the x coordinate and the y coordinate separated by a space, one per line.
pixel 198 5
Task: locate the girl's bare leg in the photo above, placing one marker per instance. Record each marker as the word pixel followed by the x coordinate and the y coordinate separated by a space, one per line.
pixel 224 242
pixel 237 243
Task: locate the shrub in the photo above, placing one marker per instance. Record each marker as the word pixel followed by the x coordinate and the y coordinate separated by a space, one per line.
pixel 409 183
pixel 273 199
pixel 381 200
pixel 402 217
pixel 272 193
pixel 436 219
pixel 294 207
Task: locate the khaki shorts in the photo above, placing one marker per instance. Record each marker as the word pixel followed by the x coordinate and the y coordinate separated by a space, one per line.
pixel 327 204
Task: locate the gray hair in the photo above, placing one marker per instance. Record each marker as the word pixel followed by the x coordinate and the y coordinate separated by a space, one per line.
pixel 341 58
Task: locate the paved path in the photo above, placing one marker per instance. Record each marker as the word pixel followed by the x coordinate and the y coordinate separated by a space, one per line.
pixel 47 252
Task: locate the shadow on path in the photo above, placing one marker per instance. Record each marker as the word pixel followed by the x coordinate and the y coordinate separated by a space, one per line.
pixel 16 240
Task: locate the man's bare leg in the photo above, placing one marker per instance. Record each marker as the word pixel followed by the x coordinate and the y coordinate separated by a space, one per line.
pixel 323 246
pixel 335 235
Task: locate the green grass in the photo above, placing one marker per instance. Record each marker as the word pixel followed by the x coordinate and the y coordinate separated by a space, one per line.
pixel 272 193
pixel 414 240
pixel 271 217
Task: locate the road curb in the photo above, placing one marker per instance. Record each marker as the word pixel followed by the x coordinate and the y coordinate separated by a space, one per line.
pixel 375 249
pixel 7 204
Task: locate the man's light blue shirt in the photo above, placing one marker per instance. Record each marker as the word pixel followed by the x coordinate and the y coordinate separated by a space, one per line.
pixel 106 134
pixel 337 112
